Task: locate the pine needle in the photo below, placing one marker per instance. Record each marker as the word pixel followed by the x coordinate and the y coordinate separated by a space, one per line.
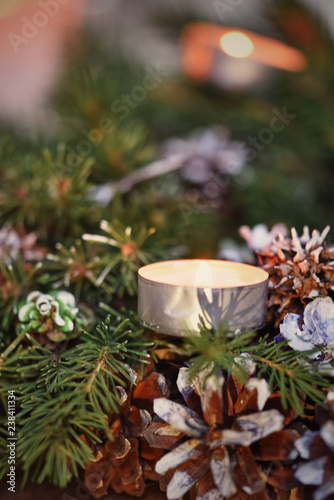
pixel 287 371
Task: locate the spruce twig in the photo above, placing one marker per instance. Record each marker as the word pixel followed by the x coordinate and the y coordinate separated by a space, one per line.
pixel 64 397
pixel 12 346
pixel 288 371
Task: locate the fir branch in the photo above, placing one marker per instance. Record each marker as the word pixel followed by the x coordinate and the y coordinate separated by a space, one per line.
pixel 100 369
pixel 109 351
pixel 128 249
pixel 217 348
pixel 290 371
pixel 65 398
pixel 50 441
pixel 77 268
pixel 16 277
pixel 12 346
pixel 286 370
pixel 47 191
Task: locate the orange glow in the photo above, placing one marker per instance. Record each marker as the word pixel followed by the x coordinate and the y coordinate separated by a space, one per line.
pixel 201 41
pixel 197 61
pixel 236 44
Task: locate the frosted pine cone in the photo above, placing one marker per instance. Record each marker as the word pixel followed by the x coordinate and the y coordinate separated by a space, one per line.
pixel 209 152
pixel 218 443
pixel 315 329
pixel 316 449
pixel 51 318
pixel 300 269
pixel 125 462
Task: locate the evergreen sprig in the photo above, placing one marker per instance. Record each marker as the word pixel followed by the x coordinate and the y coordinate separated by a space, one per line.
pixel 75 267
pixel 102 363
pixel 50 443
pixel 65 398
pixel 217 348
pixel 128 249
pixel 16 277
pixel 47 191
pixel 123 144
pixel 290 371
pixel 286 370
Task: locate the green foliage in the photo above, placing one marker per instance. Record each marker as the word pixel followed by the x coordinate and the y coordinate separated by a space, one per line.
pixel 291 177
pixel 217 348
pixel 50 440
pixel 286 370
pixel 47 192
pixel 16 277
pixel 109 351
pixel 123 149
pixel 64 397
pixel 290 371
pixel 127 250
pixel 77 268
pixel 119 141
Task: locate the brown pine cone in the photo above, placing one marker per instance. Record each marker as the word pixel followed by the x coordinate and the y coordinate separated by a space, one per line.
pixel 228 442
pixel 300 269
pixel 125 462
pixel 316 449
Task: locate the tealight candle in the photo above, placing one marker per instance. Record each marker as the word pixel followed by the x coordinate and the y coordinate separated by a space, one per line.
pixel 173 295
pixel 233 58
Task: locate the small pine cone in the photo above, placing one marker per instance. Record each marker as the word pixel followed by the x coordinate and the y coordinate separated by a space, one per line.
pixel 228 442
pixel 52 319
pixel 125 463
pixel 300 269
pixel 316 450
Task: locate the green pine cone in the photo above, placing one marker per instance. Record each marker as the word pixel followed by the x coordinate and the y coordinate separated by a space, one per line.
pixel 54 315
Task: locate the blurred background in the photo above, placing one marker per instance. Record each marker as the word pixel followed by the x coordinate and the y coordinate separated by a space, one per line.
pixel 242 125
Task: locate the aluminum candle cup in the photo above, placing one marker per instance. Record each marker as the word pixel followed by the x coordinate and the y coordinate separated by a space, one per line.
pixel 173 295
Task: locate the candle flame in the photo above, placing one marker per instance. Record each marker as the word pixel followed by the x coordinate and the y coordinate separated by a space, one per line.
pixel 204 276
pixel 236 44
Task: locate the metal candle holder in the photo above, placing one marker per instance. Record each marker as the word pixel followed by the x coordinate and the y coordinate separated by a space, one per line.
pixel 171 297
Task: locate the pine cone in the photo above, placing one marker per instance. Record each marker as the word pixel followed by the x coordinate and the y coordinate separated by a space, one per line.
pixel 126 461
pixel 209 153
pixel 300 269
pixel 228 442
pixel 315 329
pixel 50 318
pixel 316 449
